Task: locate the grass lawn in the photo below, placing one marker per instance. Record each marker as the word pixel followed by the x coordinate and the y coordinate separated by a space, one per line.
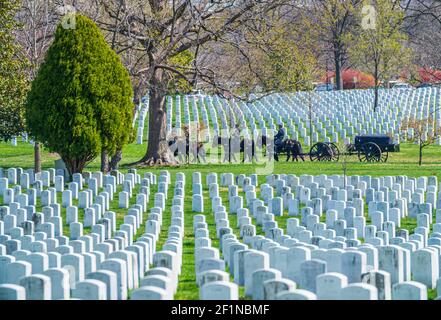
pixel 403 163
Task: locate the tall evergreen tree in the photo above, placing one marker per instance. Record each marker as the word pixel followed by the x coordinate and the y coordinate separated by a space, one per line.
pixel 80 103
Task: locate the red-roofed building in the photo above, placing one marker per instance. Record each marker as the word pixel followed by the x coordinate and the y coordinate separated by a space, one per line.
pixel 352 79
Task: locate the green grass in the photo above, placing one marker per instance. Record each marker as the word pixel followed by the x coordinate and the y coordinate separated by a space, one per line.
pixel 403 163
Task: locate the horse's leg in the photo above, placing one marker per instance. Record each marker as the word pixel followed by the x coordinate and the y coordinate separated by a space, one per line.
pixel 226 155
pixel 197 156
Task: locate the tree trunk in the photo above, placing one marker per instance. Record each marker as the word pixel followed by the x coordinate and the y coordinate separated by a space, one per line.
pixel 338 68
pixel 376 98
pixel 116 158
pixel 37 157
pixel 344 177
pixel 376 86
pixel 420 162
pixel 104 161
pixel 74 165
pixel 158 151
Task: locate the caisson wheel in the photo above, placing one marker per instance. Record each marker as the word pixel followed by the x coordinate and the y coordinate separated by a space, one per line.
pixel 384 156
pixel 370 152
pixel 335 152
pixel 320 152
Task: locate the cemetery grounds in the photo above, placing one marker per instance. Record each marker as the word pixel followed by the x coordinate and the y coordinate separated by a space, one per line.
pixel 402 163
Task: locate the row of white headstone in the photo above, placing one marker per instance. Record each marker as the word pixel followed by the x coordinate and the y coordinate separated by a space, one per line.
pixel 326 260
pixel 38 262
pixel 320 251
pixel 336 115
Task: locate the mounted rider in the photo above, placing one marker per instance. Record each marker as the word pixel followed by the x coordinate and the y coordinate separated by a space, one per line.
pixel 279 137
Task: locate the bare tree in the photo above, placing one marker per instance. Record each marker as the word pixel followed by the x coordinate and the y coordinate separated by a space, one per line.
pixel 423 26
pixel 381 47
pixel 165 31
pixel 330 21
pixel 423 132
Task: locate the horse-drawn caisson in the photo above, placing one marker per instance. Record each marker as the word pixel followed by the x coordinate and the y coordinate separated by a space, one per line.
pixel 368 148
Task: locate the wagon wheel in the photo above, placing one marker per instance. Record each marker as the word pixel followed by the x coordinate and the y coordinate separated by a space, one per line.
pixel 369 152
pixel 314 152
pixel 320 152
pixel 327 152
pixel 350 148
pixel 384 156
pixel 335 152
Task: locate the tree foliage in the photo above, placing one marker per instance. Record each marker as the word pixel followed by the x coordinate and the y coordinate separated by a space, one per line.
pixel 380 47
pixel 166 33
pixel 285 56
pixel 181 62
pixel 80 102
pixel 330 23
pixel 13 83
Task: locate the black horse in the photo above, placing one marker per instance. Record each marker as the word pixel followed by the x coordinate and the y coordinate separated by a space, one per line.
pixel 230 149
pixel 248 147
pixel 245 146
pixel 177 145
pixel 293 148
